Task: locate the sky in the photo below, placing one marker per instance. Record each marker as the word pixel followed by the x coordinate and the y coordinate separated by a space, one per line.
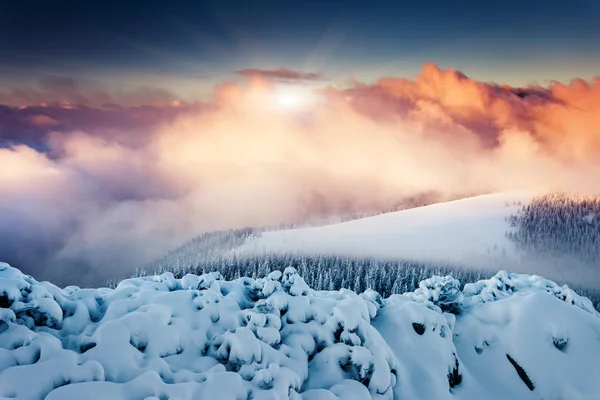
pixel 187 46
pixel 127 128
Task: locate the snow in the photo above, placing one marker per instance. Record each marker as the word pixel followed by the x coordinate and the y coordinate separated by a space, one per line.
pixel 467 231
pixel 512 336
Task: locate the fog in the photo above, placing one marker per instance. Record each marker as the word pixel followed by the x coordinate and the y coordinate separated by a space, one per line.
pixel 94 205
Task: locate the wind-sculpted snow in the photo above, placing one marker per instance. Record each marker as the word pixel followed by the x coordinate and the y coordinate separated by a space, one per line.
pixel 158 337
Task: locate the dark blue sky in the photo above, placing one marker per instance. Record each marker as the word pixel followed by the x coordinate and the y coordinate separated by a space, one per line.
pixel 173 43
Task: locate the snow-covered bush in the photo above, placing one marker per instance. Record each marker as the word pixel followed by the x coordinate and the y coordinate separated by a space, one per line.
pixel 204 336
pixel 441 292
pixel 504 284
pixel 273 333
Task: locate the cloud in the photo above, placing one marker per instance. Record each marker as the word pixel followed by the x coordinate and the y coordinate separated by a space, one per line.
pixel 32 124
pixel 42 120
pixel 64 90
pixel 280 74
pixel 562 118
pixel 112 189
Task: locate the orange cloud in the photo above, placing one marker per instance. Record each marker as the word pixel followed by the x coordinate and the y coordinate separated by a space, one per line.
pixel 564 119
pixel 42 120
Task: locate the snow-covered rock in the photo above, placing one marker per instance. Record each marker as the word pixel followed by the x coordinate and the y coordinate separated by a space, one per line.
pixel 513 336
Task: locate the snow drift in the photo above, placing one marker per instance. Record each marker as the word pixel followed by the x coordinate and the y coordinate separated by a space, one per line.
pixel 512 336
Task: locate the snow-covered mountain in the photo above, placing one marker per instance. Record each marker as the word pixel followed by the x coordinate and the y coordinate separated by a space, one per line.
pixel 200 337
pixel 466 231
pixel 555 235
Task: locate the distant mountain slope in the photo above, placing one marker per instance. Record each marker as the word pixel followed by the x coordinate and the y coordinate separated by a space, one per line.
pixel 470 230
pixel 201 337
pixel 555 234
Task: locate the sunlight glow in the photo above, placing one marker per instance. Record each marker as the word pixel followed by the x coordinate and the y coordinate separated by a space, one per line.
pixel 289 100
pixel 294 98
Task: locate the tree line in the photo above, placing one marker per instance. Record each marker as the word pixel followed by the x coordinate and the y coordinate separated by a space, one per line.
pixel 559 227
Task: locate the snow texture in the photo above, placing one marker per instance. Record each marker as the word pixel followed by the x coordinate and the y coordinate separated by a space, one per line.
pixel 200 337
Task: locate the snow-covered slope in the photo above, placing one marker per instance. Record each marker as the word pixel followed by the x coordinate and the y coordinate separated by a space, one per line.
pixel 470 230
pixel 199 337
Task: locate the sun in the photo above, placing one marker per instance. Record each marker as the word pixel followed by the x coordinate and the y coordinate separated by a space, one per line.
pixel 289 100
pixel 294 98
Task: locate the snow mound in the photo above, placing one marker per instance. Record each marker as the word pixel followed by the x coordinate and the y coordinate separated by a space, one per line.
pixel 505 284
pixel 156 337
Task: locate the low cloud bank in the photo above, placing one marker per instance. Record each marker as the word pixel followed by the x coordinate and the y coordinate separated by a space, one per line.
pixel 89 202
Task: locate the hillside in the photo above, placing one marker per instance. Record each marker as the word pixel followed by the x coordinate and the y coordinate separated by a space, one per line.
pixel 555 235
pixel 469 231
pixel 512 336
